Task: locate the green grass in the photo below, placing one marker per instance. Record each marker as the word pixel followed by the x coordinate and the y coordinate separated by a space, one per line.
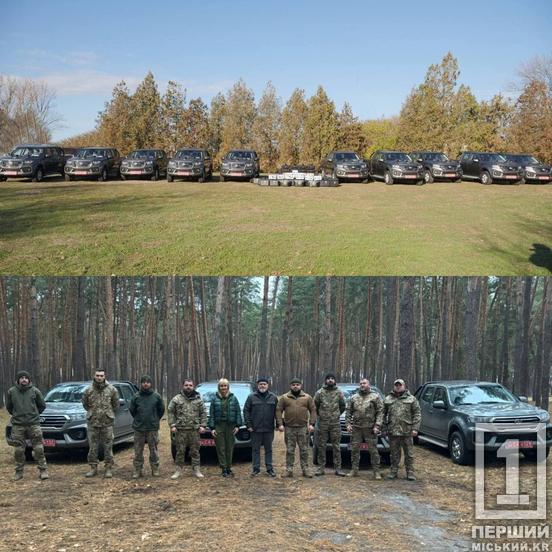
pixel 137 228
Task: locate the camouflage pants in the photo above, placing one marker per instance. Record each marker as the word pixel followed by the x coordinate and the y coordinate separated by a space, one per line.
pixel 330 433
pixel 100 436
pixel 34 434
pixel 364 434
pixel 406 444
pixel 296 436
pixel 140 440
pixel 187 438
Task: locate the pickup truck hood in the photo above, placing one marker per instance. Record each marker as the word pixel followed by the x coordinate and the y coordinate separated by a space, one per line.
pixel 54 408
pixel 506 409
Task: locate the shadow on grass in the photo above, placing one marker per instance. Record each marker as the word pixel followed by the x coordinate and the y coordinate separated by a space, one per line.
pixel 541 256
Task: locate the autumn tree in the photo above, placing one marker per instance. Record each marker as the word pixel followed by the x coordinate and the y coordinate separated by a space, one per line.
pixel 292 128
pixel 380 134
pixel 266 128
pixel 239 115
pixel 194 129
pixel 145 114
pixel 114 122
pixel 216 125
pixel 172 115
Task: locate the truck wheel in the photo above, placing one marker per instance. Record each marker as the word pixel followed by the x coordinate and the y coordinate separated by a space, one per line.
pixel 459 453
pixel 428 177
pixel 155 175
pixel 221 178
pixel 201 177
pixel 388 178
pixel 39 175
pixel 123 177
pixel 68 178
pixel 103 175
pixel 169 178
pixel 486 178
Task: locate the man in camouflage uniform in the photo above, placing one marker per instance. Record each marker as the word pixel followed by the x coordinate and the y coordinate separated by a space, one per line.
pixel 24 402
pixel 402 415
pixel 147 409
pixel 330 404
pixel 297 412
pixel 364 418
pixel 187 416
pixel 101 402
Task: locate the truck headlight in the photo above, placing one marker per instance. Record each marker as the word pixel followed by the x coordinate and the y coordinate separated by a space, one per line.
pixel 544 416
pixel 96 163
pixel 78 416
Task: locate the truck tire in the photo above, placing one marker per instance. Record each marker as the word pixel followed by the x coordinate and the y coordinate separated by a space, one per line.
pixel 221 178
pixel 388 178
pixel 486 178
pixel 155 175
pixel 102 177
pixel 169 178
pixel 39 175
pixel 68 178
pixel 428 177
pixel 459 453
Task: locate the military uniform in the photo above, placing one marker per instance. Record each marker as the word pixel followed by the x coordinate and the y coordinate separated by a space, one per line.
pixel 296 412
pixel 364 413
pixel 401 413
pixel 330 404
pixel 25 403
pixel 101 402
pixel 187 414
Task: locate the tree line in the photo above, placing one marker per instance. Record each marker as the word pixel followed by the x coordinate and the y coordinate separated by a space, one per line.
pixel 418 328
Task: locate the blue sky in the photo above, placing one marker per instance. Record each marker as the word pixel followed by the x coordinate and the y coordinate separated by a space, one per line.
pixel 365 52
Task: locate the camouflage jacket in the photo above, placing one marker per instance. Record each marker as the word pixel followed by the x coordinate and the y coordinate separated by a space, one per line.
pixel 401 413
pixel 187 412
pixel 100 402
pixel 330 404
pixel 365 410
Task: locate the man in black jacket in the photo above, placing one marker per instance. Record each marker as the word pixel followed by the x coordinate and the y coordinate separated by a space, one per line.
pixel 260 416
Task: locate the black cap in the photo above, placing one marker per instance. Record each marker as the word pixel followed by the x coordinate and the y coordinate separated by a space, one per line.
pixel 22 373
pixel 146 379
pixel 296 380
pixel 262 380
pixel 330 375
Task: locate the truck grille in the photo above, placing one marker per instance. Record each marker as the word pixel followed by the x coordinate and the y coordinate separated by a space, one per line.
pixel 12 164
pixel 238 165
pixel 516 420
pixel 53 421
pixel 184 165
pixel 83 163
pixel 137 164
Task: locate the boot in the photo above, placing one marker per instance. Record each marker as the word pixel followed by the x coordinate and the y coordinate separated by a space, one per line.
pixel 307 473
pixel 136 473
pixel 319 471
pixel 340 473
pixel 43 475
pixel 288 473
pixel 92 472
pixel 410 476
pixel 392 475
pixel 198 473
pixel 17 476
pixel 353 473
pixel 155 471
pixel 108 474
pixel 377 474
pixel 177 473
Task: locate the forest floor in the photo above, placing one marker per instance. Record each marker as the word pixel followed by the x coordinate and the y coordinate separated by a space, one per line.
pixel 71 513
pixel 142 227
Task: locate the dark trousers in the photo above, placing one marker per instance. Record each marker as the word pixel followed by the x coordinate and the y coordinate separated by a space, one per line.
pixel 262 439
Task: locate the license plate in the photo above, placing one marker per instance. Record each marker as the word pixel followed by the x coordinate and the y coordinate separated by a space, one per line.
pixel 207 442
pixel 363 446
pixel 410 176
pixel 185 173
pixel 515 444
pixel 135 172
pixel 511 177
pixel 450 175
pixel 10 173
pixel 80 172
pixel 540 177
pixel 354 174
pixel 236 174
pixel 49 442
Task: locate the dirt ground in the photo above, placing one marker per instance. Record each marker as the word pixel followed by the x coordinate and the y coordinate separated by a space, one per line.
pixel 71 513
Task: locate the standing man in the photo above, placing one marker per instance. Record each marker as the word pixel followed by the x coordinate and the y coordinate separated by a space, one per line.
pixel 364 418
pixel 330 404
pixel 260 414
pixel 24 402
pixel 147 409
pixel 296 411
pixel 225 419
pixel 187 419
pixel 101 402
pixel 401 413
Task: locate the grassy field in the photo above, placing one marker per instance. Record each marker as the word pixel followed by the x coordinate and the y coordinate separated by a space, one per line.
pixel 137 228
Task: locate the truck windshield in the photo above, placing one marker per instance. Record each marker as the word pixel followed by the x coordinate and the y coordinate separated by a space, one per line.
pixel 26 152
pixel 65 393
pixel 435 157
pixel 398 158
pixel 141 154
pixel 480 394
pixel 347 156
pixel 90 153
pixel 188 154
pixel 523 159
pixel 239 155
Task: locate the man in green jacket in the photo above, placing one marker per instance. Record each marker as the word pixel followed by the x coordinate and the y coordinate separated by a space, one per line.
pixel 24 402
pixel 101 402
pixel 187 416
pixel 147 408
pixel 402 415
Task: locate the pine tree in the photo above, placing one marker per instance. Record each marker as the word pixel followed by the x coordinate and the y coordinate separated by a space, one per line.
pixel 351 135
pixel 172 114
pixel 194 131
pixel 292 128
pixel 216 124
pixel 239 116
pixel 114 121
pixel 145 108
pixel 266 128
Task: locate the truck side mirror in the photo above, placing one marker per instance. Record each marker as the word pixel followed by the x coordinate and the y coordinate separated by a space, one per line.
pixel 523 398
pixel 439 405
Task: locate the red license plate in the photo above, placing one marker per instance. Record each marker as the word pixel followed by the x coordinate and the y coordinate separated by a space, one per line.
pixel 135 172
pixel 410 176
pixel 80 172
pixel 511 177
pixel 184 173
pixel 450 175
pixel 540 177
pixel 49 442
pixel 10 173
pixel 207 442
pixel 236 174
pixel 354 174
pixel 363 446
pixel 515 444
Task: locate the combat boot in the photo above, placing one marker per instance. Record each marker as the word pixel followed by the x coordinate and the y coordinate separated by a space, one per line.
pixel 320 471
pixel 108 474
pixel 136 474
pixel 43 475
pixel 307 474
pixel 17 476
pixel 155 471
pixel 177 473
pixel 353 473
pixel 340 473
pixel 377 474
pixel 410 476
pixel 392 475
pixel 288 473
pixel 198 473
pixel 92 472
